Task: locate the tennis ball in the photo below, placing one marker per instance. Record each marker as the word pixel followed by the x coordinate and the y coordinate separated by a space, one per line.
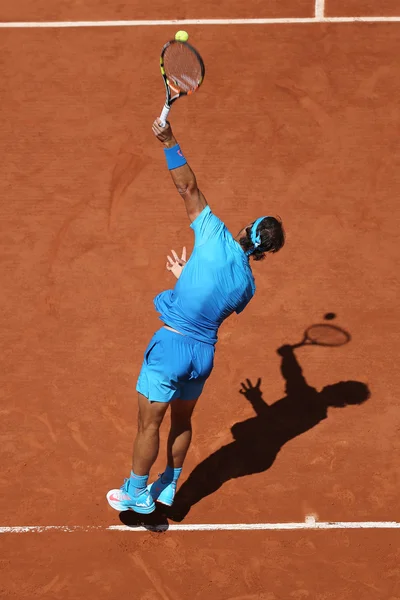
pixel 181 36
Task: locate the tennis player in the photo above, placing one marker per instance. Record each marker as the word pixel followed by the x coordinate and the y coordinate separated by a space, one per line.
pixel 214 283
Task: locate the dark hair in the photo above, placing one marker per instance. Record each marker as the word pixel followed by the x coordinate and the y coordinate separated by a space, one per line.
pixel 272 238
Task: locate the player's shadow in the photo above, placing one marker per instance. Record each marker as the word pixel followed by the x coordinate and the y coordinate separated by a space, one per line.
pixel 258 440
pixel 155 521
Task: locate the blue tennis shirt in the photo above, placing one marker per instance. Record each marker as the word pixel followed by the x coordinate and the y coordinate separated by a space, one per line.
pixel 216 281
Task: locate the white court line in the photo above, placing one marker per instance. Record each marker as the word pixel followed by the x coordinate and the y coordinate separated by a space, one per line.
pixel 319 19
pixel 319 9
pixel 310 523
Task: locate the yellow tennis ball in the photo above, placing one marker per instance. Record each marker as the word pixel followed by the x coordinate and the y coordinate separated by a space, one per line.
pixel 181 36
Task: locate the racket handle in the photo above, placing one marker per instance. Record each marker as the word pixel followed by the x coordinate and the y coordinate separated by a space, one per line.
pixel 164 115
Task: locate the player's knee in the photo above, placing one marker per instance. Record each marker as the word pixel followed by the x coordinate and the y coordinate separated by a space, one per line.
pixel 150 422
pixel 148 425
pixel 181 423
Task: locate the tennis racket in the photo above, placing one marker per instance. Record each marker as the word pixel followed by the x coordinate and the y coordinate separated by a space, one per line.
pixel 183 72
pixel 324 335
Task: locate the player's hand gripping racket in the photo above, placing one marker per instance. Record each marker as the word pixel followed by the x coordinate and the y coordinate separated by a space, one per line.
pixel 183 72
pixel 324 335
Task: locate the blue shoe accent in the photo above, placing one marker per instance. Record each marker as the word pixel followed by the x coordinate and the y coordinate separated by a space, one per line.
pixel 162 492
pixel 122 500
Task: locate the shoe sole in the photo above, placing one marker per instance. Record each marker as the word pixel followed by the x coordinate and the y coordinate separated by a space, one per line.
pixel 164 503
pixel 138 509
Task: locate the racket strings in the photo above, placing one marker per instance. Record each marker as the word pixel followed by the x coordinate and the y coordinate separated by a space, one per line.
pixel 182 68
pixel 327 335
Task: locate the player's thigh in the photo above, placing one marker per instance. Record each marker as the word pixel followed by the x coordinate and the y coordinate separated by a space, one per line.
pixel 182 410
pixel 151 413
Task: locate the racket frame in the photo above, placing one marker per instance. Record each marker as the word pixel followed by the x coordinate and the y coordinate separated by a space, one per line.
pixel 169 87
pixel 309 340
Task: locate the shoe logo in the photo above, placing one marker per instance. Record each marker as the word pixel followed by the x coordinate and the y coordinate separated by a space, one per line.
pixel 146 503
pixel 119 497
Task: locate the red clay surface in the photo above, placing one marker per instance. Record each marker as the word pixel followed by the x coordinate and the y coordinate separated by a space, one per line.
pixel 220 565
pixel 362 8
pixel 95 10
pixel 88 216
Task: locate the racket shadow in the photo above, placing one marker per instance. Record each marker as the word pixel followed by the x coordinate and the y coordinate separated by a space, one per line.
pixel 258 440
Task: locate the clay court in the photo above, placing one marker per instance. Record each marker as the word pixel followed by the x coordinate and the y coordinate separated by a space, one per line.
pixel 298 116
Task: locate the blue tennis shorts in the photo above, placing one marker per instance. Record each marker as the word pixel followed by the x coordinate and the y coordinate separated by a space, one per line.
pixel 174 366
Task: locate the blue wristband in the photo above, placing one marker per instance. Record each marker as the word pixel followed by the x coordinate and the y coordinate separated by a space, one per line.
pixel 174 157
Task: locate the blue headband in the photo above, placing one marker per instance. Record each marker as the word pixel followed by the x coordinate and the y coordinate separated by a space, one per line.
pixel 256 239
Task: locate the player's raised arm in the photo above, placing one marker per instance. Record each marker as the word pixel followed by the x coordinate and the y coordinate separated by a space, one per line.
pixel 182 175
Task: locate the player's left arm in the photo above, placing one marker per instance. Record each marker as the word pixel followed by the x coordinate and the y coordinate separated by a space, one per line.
pixel 182 176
